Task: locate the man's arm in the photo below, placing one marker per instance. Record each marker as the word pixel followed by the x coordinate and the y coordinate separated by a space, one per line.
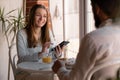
pixel 84 62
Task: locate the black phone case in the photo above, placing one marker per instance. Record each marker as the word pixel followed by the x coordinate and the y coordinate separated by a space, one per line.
pixel 61 44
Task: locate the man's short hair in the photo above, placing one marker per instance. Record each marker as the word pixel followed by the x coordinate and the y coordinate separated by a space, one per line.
pixel 109 7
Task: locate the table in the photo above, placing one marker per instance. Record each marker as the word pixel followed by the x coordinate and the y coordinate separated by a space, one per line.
pixel 40 66
pixel 37 67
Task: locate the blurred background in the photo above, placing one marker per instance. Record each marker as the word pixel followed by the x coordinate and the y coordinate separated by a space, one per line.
pixel 69 20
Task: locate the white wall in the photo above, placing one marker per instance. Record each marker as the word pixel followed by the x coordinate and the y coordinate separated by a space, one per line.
pixel 8 5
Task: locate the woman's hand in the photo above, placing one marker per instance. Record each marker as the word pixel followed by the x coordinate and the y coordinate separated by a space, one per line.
pixel 58 51
pixel 45 47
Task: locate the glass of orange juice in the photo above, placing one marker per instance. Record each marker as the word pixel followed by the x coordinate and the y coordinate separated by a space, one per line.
pixel 47 59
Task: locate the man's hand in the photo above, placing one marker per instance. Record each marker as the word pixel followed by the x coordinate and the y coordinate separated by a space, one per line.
pixel 57 65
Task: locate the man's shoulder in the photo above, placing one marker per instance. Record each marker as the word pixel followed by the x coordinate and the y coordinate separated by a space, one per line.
pixel 99 32
pixel 97 35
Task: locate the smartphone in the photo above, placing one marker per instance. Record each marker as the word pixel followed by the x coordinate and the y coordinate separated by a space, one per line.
pixel 63 43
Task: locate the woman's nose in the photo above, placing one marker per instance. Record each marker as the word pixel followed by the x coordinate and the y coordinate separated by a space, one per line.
pixel 40 18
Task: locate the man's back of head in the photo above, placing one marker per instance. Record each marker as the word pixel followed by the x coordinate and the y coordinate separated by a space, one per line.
pixel 110 7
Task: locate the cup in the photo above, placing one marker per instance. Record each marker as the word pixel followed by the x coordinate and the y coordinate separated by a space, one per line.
pixel 47 59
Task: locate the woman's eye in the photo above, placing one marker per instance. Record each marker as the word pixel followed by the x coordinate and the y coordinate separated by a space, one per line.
pixel 45 16
pixel 38 15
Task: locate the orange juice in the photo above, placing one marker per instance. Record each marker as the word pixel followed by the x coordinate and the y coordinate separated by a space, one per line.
pixel 47 59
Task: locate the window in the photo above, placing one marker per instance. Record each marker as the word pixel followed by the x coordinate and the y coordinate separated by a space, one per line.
pixel 89 17
pixel 65 21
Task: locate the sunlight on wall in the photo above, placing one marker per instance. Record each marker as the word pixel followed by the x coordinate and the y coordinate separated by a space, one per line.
pixel 8 5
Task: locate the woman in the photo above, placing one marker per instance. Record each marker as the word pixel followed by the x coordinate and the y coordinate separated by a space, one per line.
pixel 35 39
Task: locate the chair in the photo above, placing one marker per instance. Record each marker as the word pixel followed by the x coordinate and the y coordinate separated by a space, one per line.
pixel 97 68
pixel 18 75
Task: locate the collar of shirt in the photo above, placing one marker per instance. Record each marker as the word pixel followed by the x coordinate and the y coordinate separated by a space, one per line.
pixel 106 23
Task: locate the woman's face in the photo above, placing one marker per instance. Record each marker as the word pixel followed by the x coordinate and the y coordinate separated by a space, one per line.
pixel 40 17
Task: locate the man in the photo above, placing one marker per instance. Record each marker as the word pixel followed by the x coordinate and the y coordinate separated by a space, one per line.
pixel 99 47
